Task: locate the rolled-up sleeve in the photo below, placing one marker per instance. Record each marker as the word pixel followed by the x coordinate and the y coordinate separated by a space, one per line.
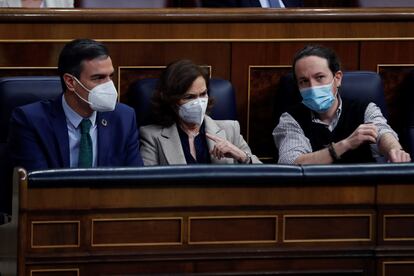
pixel 290 140
pixel 374 115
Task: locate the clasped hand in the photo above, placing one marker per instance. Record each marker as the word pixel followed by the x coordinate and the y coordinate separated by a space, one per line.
pixel 224 148
pixel 363 133
pixel 369 133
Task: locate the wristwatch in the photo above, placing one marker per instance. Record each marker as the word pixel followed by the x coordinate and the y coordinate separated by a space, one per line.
pixel 249 158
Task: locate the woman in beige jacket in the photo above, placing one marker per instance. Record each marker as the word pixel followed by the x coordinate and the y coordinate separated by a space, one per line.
pixel 184 134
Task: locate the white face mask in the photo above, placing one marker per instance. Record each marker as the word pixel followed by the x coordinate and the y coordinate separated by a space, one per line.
pixel 102 97
pixel 193 111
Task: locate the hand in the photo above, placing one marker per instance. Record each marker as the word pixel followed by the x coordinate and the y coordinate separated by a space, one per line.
pixel 363 133
pixel 398 155
pixel 224 148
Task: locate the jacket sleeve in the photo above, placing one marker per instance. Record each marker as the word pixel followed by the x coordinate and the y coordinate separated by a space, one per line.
pixel 133 157
pixel 24 146
pixel 241 143
pixel 148 147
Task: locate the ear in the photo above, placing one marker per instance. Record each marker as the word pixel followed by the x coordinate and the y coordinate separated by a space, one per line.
pixel 338 78
pixel 69 81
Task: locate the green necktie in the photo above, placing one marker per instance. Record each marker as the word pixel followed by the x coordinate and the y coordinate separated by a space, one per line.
pixel 85 147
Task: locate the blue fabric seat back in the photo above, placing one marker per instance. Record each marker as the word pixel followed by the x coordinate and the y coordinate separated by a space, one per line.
pixel 405 104
pixel 17 91
pixel 140 95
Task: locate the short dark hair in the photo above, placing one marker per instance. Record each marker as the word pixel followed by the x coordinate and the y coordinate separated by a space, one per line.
pixel 320 51
pixel 75 52
pixel 174 82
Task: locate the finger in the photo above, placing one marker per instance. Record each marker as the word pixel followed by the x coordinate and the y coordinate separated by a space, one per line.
pixel 403 156
pixel 370 127
pixel 214 152
pixel 214 138
pixel 399 156
pixel 220 149
pixel 369 138
pixel 392 157
pixel 368 133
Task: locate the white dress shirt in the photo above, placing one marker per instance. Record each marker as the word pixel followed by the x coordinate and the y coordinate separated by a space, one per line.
pixel 73 121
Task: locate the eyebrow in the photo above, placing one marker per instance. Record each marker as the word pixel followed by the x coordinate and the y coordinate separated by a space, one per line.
pixel 313 75
pixel 101 75
pixel 195 92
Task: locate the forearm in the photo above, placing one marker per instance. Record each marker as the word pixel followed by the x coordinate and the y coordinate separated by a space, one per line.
pixel 317 157
pixel 388 142
pixel 323 156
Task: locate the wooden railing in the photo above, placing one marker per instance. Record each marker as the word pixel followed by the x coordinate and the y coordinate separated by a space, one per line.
pixel 218 220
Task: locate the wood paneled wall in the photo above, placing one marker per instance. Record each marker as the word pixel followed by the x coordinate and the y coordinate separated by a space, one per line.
pixel 252 48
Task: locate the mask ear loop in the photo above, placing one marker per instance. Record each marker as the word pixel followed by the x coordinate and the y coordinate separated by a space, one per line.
pixel 78 81
pixel 74 90
pixel 337 87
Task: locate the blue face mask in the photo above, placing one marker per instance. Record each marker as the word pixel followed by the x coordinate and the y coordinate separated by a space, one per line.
pixel 318 98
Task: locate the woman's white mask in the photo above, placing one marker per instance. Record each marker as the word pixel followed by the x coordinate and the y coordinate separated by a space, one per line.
pixel 193 111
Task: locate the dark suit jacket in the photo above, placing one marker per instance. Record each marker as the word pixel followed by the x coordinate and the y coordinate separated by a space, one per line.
pixel 245 3
pixel 39 138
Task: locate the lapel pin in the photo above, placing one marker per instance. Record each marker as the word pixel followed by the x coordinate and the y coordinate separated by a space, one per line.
pixel 104 122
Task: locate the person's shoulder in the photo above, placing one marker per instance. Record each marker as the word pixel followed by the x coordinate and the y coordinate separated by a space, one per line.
pixel 35 109
pixel 354 103
pixel 151 128
pixel 225 124
pixel 297 108
pixel 122 111
pixel 121 107
pixel 151 131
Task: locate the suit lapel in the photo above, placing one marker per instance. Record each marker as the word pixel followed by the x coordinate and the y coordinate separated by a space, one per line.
pixel 212 128
pixel 171 146
pixel 60 129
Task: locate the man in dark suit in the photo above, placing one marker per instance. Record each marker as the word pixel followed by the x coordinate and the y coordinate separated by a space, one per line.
pixel 85 126
pixel 247 3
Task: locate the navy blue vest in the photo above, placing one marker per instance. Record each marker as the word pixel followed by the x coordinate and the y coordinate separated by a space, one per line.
pixel 352 116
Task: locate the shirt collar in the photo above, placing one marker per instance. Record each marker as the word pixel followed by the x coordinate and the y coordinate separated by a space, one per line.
pixel 316 119
pixel 73 117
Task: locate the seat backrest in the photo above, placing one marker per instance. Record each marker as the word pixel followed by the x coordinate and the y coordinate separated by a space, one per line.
pixel 17 91
pixel 140 94
pixel 405 113
pixel 363 86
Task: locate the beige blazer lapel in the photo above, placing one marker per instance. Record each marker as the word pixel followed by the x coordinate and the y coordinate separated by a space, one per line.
pixel 212 128
pixel 171 146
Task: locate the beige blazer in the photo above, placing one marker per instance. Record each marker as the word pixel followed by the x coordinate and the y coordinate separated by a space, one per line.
pixel 162 145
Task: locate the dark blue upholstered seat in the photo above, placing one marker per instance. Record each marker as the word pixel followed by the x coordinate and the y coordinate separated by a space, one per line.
pixel 141 91
pixel 17 91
